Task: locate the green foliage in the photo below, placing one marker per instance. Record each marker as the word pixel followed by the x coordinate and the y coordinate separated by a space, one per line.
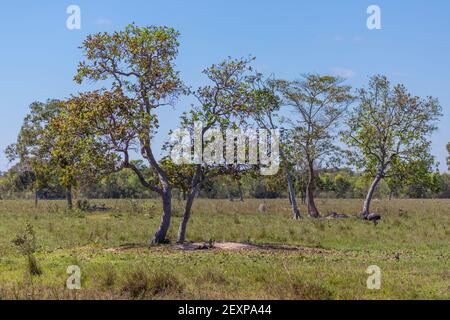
pixel 389 129
pixel 448 158
pixel 341 186
pixel 33 148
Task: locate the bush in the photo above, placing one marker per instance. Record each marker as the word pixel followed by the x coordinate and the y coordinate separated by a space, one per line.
pixel 26 245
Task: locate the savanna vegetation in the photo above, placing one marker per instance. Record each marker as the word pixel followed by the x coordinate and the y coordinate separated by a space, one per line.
pixel 263 256
pixel 223 226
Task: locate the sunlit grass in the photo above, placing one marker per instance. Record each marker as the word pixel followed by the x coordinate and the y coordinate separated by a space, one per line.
pixel 410 245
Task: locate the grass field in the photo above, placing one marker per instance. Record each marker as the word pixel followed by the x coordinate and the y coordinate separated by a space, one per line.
pixel 282 259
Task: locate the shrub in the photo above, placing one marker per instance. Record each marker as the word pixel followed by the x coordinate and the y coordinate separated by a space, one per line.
pixel 26 245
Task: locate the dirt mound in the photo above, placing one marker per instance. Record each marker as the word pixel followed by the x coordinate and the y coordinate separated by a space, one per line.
pixel 222 246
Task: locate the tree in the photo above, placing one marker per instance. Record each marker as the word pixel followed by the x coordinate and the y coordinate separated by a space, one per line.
pixel 448 158
pixel 219 106
pixel 267 105
pixel 75 156
pixel 33 149
pixel 139 61
pixel 389 129
pixel 341 186
pixel 319 102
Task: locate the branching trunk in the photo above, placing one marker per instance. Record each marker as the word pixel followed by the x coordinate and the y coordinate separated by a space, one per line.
pixel 312 209
pixel 366 207
pixel 295 211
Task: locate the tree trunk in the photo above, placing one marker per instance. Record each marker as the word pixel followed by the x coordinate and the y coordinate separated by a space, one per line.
pixel 312 209
pixel 69 197
pixel 366 207
pixel 186 216
pixel 195 186
pixel 36 198
pixel 160 235
pixel 241 195
pixel 230 195
pixel 303 195
pixel 295 211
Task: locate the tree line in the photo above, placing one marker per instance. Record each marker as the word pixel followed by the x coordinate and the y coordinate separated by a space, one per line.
pixel 87 142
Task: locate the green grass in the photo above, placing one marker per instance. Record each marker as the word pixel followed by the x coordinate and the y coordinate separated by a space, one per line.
pixel 330 261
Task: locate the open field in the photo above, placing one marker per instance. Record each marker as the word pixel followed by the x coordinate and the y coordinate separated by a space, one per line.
pixel 283 259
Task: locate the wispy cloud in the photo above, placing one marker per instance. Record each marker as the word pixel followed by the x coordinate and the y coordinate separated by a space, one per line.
pixel 343 72
pixel 103 22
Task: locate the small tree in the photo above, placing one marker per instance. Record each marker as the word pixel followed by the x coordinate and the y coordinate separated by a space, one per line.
pixel 77 158
pixel 33 148
pixel 388 130
pixel 319 103
pixel 219 106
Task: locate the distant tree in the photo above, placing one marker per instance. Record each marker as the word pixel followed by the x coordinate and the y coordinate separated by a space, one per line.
pixel 33 150
pixel 448 158
pixel 341 185
pixel 389 129
pixel 319 102
pixel 415 179
pixel 444 186
pixel 139 63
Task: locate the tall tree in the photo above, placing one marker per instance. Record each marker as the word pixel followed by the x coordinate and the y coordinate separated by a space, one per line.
pixel 319 102
pixel 139 61
pixel 388 130
pixel 267 105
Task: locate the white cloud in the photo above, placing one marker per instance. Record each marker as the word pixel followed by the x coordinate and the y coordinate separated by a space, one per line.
pixel 343 72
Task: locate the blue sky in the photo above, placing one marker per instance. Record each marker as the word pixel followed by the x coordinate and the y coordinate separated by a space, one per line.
pixel 39 55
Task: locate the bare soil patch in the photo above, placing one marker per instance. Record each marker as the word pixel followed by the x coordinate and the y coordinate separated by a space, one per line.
pixel 222 246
